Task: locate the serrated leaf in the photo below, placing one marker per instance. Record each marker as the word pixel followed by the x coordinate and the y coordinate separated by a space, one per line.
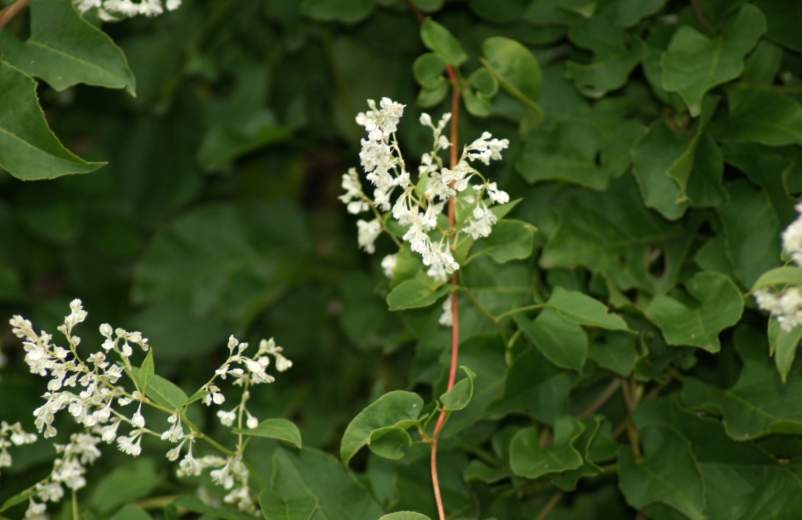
pixel 440 40
pixel 28 149
pixel 65 50
pixel 277 428
pixel 718 305
pixel 694 63
pixel 396 409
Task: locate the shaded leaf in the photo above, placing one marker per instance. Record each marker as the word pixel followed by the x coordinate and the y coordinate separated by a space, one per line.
pixel 718 304
pixel 65 50
pixel 28 149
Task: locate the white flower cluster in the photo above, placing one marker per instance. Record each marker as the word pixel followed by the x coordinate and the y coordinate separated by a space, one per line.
pixel 91 390
pixel 418 207
pixel 12 435
pixel 69 470
pixel 786 305
pixel 113 10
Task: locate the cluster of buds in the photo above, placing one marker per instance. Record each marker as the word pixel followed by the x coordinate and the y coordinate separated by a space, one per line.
pixel 418 207
pixel 786 305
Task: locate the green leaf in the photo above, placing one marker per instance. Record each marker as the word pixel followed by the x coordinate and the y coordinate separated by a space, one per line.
pixel 346 11
pixel 560 339
pixel 131 512
pixel 126 483
pixel 785 275
pixel 279 429
pixel 668 474
pixel 338 493
pixel 440 40
pixel 761 117
pixel 420 291
pixel 783 20
pixel 390 442
pixel 584 310
pixel 195 505
pixel 397 408
pixel 536 387
pixel 717 304
pixel 759 403
pixel 751 230
pixel 28 149
pixel 277 507
pixel 694 63
pixel 510 240
pixel 228 141
pixel 783 345
pixel 65 50
pixel 517 71
pixel 145 374
pixel 615 352
pixel 164 392
pixel 460 396
pixel 531 460
pixel 616 54
pixel 404 515
pixel 428 69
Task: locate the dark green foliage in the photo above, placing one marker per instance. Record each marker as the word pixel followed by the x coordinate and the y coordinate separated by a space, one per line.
pixel 611 350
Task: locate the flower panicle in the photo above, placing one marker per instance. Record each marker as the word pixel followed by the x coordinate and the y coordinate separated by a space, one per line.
pixel 418 208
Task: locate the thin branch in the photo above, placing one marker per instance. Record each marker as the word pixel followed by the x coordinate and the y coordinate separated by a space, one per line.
pixel 699 13
pixel 11 11
pixel 601 400
pixel 549 507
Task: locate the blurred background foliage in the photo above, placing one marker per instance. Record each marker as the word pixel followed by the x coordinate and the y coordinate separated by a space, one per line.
pixel 217 213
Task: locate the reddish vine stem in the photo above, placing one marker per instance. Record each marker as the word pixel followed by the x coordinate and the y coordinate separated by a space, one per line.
pixel 452 219
pixel 452 372
pixel 11 11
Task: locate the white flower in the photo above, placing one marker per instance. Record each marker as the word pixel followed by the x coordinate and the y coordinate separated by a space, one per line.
pixel 486 148
pixel 792 238
pixel 388 265
pixel 496 195
pixel 368 232
pixel 481 223
pixel 446 317
pixel 227 417
pixel 380 123
pixel 131 444
pixel 353 197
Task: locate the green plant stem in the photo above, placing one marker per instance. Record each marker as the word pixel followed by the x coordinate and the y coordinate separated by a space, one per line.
pixel 519 310
pixel 75 514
